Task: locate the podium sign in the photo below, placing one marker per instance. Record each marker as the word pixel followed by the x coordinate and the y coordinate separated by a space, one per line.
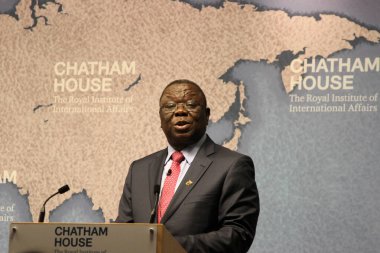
pixel 91 238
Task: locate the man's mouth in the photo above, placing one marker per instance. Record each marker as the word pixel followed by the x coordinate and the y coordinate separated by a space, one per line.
pixel 182 125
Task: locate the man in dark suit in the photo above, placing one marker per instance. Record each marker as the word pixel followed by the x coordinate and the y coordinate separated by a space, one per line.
pixel 209 199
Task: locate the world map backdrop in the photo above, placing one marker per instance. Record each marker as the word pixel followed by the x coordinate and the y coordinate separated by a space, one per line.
pixel 293 84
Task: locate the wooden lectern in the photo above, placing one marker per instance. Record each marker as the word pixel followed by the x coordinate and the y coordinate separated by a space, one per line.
pixel 91 238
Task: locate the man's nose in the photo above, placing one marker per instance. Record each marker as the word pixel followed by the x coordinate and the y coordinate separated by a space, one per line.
pixel 181 110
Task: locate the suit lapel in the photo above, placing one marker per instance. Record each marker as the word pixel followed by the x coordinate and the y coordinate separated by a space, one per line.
pixel 196 170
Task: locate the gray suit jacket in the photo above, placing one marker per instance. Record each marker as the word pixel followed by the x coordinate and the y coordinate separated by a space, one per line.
pixel 217 212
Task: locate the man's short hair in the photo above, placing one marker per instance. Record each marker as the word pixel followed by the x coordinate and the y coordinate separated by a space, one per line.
pixel 180 81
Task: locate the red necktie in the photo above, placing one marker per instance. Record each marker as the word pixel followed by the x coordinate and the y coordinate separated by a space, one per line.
pixel 169 184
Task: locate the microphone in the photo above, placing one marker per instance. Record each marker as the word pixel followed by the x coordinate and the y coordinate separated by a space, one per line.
pixel 169 172
pixel 154 210
pixel 61 190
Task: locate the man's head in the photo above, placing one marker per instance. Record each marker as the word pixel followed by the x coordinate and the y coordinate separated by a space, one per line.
pixel 184 113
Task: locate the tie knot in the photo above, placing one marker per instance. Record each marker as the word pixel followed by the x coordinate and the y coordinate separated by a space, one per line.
pixel 177 156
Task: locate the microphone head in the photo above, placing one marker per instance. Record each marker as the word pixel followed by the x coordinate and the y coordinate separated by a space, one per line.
pixel 63 189
pixel 157 188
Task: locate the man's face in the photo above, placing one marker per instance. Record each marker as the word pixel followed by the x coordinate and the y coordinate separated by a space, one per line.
pixel 183 113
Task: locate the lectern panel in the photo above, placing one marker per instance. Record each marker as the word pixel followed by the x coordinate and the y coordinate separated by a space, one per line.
pixel 82 238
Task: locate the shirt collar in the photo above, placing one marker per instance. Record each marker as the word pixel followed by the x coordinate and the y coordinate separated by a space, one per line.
pixel 189 152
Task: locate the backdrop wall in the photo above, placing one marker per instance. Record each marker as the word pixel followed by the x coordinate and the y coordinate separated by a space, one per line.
pixel 293 85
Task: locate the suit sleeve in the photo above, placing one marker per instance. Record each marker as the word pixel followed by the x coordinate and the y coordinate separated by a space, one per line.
pixel 125 213
pixel 237 215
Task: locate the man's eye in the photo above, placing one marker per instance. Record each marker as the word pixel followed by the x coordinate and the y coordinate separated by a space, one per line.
pixel 170 105
pixel 191 104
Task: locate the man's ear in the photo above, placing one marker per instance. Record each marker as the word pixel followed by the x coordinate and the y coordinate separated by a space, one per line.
pixel 208 113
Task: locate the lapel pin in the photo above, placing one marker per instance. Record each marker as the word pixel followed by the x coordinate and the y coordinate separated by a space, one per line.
pixel 189 182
